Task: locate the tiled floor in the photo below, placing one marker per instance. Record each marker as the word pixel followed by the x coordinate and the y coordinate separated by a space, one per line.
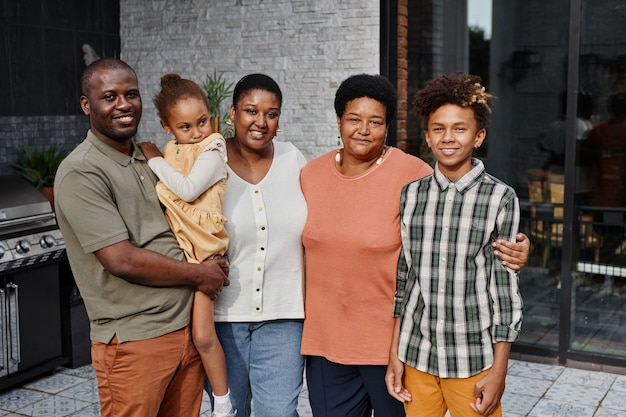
pixel 74 392
pixel 599 317
pixel 534 390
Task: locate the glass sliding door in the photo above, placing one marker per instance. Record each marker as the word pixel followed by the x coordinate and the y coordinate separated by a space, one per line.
pixel 528 73
pixel 558 136
pixel 600 250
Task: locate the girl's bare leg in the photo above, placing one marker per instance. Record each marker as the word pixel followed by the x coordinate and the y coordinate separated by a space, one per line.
pixel 207 343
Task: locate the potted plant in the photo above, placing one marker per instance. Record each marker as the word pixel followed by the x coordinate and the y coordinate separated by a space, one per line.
pixel 217 90
pixel 39 166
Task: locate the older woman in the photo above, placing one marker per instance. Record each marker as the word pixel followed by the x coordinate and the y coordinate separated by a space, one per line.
pixel 259 319
pixel 352 243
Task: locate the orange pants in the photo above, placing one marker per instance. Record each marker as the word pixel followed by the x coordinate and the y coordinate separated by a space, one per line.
pixel 433 396
pixel 160 377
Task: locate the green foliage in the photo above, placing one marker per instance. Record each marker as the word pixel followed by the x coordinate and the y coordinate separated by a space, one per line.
pixel 39 166
pixel 217 90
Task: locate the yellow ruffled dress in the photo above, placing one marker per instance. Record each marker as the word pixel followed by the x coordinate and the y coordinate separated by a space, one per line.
pixel 198 225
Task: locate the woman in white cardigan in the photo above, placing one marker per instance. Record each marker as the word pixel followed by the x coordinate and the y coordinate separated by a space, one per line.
pixel 259 317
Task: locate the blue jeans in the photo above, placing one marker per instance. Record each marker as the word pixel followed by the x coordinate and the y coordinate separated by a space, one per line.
pixel 337 390
pixel 263 362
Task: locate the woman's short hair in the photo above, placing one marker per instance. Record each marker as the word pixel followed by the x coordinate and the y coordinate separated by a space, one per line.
pixel 375 87
pixel 256 82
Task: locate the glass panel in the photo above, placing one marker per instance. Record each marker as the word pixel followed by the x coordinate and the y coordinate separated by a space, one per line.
pixel 528 73
pixel 600 253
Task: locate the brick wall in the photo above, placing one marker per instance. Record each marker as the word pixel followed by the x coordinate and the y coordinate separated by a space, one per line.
pixel 308 47
pixel 403 73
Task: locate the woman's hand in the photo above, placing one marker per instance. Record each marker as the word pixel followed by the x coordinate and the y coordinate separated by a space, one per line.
pixel 514 255
pixel 149 149
pixel 393 379
pixel 395 368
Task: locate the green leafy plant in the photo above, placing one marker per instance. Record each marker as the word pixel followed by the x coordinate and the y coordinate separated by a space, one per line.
pixel 39 166
pixel 217 90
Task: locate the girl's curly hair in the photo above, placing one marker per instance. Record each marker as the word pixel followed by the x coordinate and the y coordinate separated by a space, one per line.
pixel 460 89
pixel 173 89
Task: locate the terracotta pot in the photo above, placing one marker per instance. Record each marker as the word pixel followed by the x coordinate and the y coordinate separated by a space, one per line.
pixel 216 124
pixel 48 192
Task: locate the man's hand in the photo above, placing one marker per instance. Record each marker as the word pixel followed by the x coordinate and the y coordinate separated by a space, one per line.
pixel 514 255
pixel 215 276
pixel 146 267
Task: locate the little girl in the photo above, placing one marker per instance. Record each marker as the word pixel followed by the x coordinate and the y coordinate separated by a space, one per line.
pixel 192 173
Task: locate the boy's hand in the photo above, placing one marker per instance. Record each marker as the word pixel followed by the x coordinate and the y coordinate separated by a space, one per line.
pixel 488 392
pixel 393 379
pixel 514 255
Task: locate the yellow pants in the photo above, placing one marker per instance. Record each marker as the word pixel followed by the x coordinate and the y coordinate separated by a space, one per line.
pixel 433 396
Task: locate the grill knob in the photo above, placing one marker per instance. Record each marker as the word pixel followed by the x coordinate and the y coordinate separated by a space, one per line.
pixel 23 246
pixel 47 241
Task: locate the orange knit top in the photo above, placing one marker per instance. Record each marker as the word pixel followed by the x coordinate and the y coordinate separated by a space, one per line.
pixel 352 244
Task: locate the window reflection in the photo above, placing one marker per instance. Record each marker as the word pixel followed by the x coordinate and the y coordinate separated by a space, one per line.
pixel 523 53
pixel 600 255
pixel 529 58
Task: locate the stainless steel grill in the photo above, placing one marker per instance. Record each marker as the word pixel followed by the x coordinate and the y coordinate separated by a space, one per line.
pixel 31 252
pixel 29 234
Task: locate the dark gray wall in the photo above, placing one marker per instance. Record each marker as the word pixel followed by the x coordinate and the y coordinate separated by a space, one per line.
pixel 41 59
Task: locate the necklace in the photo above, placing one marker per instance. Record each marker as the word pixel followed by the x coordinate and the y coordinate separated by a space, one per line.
pixel 379 161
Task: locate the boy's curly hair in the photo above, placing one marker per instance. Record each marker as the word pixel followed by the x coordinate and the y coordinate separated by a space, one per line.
pixel 460 89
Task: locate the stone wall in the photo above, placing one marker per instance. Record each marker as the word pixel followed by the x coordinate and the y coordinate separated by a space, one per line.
pixel 38 132
pixel 308 47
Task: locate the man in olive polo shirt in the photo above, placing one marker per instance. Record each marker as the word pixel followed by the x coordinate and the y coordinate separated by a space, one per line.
pixel 133 277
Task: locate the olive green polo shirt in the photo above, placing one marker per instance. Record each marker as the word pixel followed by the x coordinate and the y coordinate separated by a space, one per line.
pixel 103 197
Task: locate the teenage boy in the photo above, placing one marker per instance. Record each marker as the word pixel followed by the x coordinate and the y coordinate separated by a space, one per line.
pixel 457 308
